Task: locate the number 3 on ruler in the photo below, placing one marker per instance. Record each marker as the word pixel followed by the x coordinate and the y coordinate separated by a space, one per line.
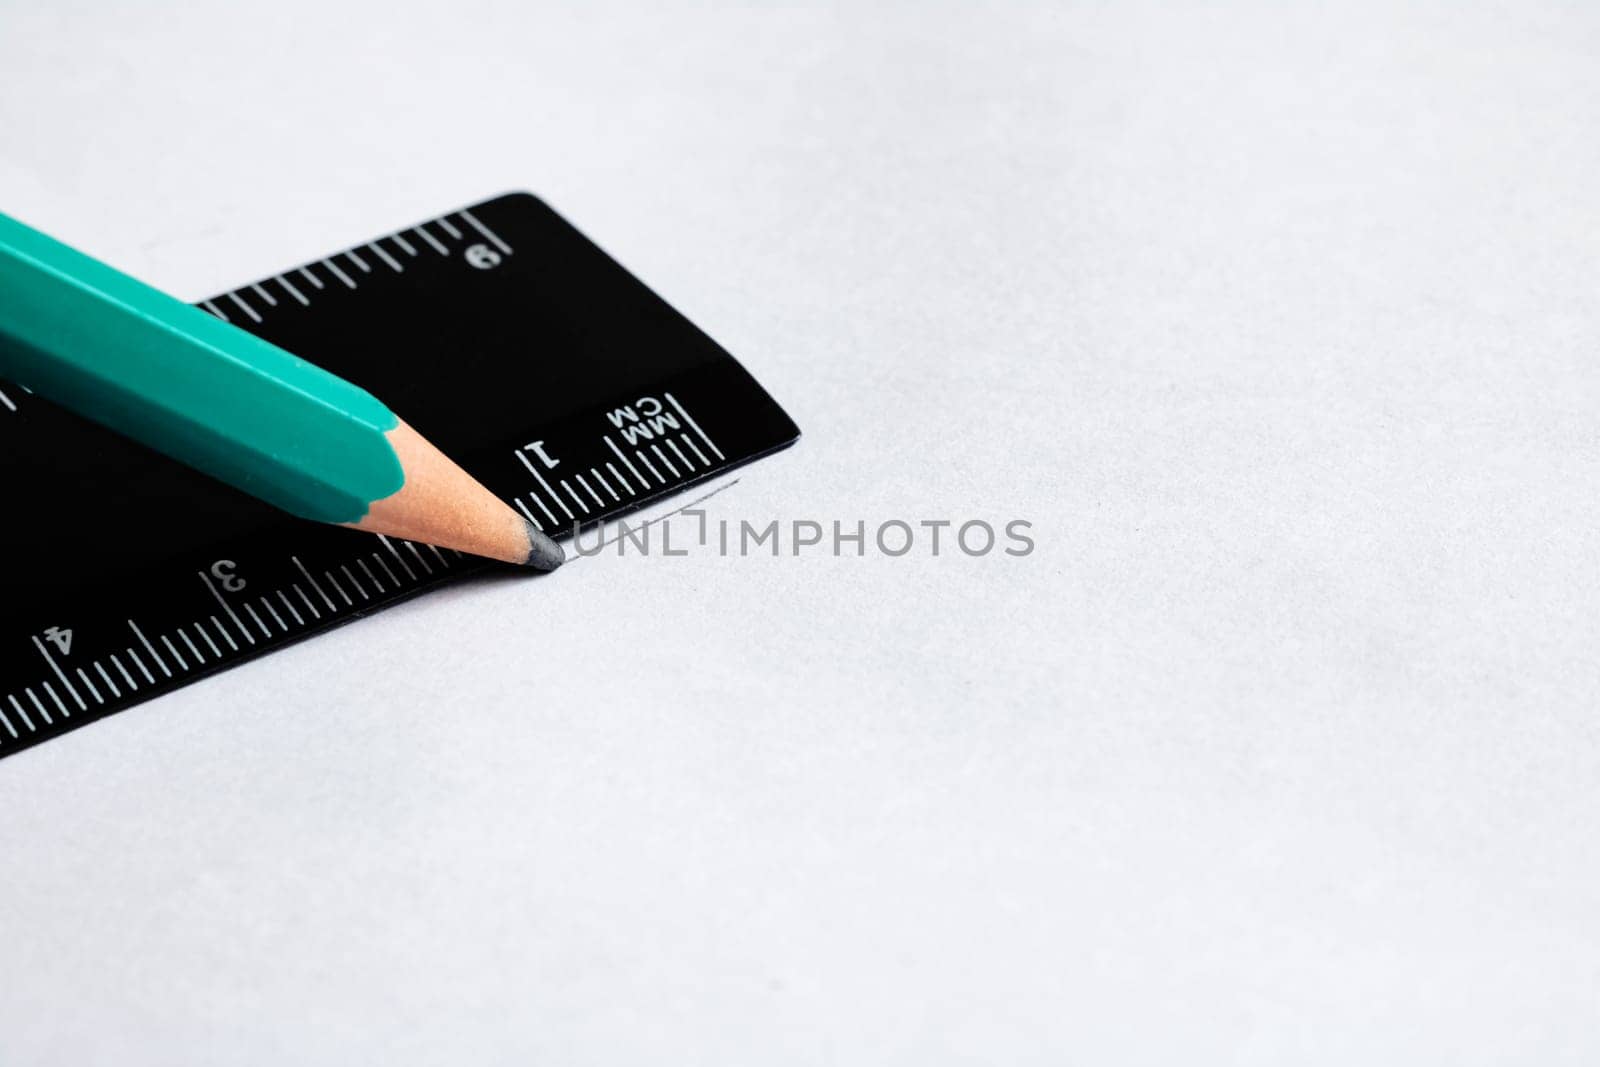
pixel 223 571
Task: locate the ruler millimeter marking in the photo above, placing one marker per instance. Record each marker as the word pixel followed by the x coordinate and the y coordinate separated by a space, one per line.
pixel 499 331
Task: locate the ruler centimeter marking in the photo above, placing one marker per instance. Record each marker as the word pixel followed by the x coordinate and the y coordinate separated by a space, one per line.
pixel 175 657
pixel 241 297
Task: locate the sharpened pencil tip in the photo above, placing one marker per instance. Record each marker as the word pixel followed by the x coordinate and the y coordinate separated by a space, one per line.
pixel 543 553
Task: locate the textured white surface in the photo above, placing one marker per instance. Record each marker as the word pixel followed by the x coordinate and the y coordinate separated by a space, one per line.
pixel 1279 324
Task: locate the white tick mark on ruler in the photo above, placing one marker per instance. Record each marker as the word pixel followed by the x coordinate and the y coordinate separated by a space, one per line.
pixel 288 605
pixel 546 486
pixel 226 607
pixel 271 300
pixel 398 558
pixel 626 463
pixel 355 582
pixel 472 220
pixel 575 498
pixel 26 720
pixel 379 560
pixel 449 228
pixel 292 291
pixel 337 273
pixel 517 500
pixel 55 699
pixel 22 714
pixel 137 662
pixel 662 456
pixel 184 636
pixel 701 456
pixel 301 593
pixel 542 507
pixel 651 467
pixel 177 657
pixel 115 692
pixel 394 264
pixel 274 613
pixel 601 504
pixel 431 239
pixel 676 451
pixel 358 261
pixel 200 628
pixel 312 278
pixel 250 611
pixel 601 478
pixel 246 308
pixel 627 486
pixel 89 685
pixel 148 647
pixel 51 660
pixel 368 572
pixel 404 244
pixel 695 426
pixel 117 663
pixel 438 555
pixel 313 583
pixel 223 633
pixel 413 550
pixel 337 588
pixel 209 306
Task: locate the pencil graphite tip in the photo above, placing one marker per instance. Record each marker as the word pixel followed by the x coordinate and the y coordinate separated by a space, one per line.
pixel 543 553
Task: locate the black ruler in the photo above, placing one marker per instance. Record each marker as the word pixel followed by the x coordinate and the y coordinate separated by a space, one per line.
pixel 498 331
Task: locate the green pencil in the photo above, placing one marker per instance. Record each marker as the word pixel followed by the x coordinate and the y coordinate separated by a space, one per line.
pixel 228 403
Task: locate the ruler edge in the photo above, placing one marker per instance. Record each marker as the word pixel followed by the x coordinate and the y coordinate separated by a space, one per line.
pixel 472 569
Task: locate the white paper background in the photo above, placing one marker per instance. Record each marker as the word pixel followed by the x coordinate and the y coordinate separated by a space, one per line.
pixel 1279 322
